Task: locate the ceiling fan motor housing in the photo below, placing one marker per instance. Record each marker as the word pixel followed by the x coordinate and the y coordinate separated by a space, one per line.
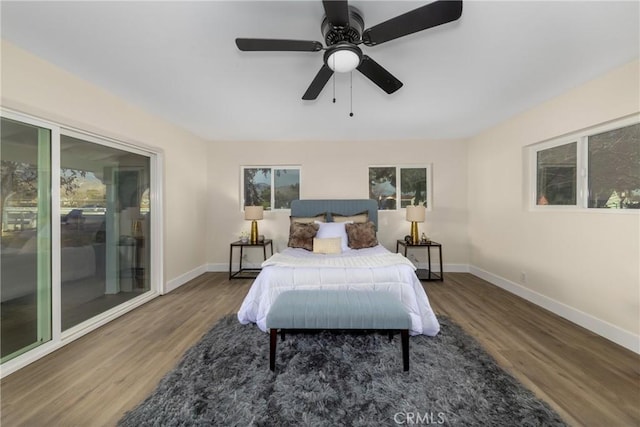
pixel 349 33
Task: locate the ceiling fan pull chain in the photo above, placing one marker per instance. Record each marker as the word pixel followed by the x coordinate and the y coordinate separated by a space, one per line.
pixel 351 93
pixel 334 81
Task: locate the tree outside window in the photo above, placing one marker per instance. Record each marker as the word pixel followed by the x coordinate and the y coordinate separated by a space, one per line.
pixel 557 175
pixel 382 186
pixel 614 169
pixel 257 187
pixel 413 188
pixel 270 187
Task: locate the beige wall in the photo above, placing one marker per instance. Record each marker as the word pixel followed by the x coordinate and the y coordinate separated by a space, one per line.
pixel 340 170
pixel 33 86
pixel 585 265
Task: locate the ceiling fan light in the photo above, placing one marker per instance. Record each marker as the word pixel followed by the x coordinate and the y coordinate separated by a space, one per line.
pixel 343 60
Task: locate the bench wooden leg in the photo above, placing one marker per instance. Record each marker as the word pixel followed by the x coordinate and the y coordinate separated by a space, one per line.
pixel 405 348
pixel 272 349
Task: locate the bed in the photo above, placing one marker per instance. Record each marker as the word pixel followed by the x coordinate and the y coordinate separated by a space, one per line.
pixel 372 268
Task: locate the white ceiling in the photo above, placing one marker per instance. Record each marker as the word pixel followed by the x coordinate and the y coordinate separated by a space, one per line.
pixel 179 61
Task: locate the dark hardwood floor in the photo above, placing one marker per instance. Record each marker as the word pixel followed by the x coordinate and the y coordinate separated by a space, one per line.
pixel 94 380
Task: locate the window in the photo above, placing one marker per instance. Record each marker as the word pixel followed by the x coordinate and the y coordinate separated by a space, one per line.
pixel 597 168
pixel 414 186
pixel 105 232
pixel 614 168
pixel 557 175
pixel 382 187
pixel 272 187
pixel 26 283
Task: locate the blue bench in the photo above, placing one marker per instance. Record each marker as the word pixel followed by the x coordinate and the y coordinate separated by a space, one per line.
pixel 338 310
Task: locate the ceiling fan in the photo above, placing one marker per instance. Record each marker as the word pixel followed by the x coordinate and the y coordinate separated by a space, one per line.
pixel 342 28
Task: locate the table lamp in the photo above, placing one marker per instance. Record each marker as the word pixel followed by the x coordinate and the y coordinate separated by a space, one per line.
pixel 253 213
pixel 415 214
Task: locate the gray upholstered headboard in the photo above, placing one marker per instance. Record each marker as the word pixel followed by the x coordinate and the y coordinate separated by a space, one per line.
pixel 340 206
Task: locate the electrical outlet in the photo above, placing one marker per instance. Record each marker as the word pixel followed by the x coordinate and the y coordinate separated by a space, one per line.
pixel 523 277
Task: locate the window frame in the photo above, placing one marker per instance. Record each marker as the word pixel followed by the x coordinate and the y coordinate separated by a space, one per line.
pixel 581 138
pixel 273 168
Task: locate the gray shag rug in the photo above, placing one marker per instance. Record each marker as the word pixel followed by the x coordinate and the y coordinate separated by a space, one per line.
pixel 332 379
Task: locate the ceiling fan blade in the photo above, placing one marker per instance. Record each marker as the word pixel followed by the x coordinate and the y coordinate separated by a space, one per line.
pixel 318 83
pixel 278 45
pixel 337 12
pixel 377 74
pixel 422 18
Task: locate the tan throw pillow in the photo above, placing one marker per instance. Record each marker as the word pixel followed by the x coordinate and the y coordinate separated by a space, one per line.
pixel 361 235
pixel 308 219
pixel 359 217
pixel 301 235
pixel 330 245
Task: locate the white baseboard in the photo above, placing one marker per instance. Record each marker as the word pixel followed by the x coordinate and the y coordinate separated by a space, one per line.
pixel 176 282
pixel 456 268
pixel 587 321
pixel 218 267
pixel 448 268
pixel 222 267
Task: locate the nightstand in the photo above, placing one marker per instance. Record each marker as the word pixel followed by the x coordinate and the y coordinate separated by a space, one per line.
pixel 247 273
pixel 425 274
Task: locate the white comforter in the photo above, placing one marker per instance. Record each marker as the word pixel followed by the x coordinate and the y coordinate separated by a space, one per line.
pixel 363 269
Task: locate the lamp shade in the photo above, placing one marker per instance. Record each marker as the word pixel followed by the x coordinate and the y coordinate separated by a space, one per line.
pixel 253 212
pixel 415 213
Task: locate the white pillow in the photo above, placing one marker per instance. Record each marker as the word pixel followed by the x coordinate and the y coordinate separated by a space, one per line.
pixel 334 229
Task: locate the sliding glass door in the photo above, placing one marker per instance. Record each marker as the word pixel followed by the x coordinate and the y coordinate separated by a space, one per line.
pixel 26 246
pixel 80 234
pixel 105 235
